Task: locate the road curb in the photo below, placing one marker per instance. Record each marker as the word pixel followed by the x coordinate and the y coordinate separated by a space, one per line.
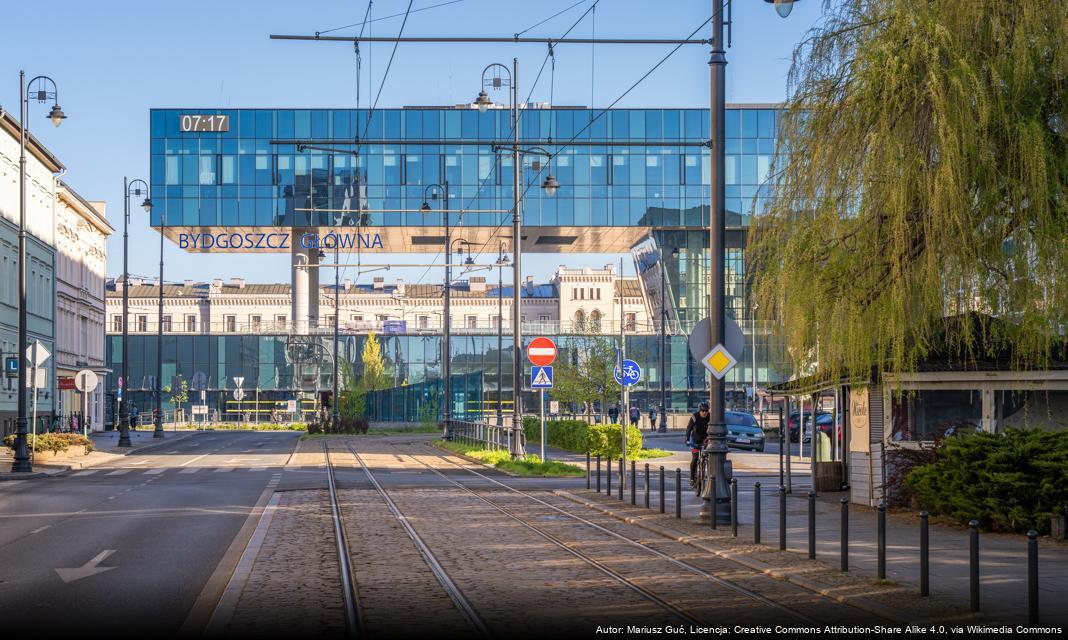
pixel 777 573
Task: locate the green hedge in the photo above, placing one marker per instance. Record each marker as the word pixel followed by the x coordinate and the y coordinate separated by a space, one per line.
pixel 578 436
pixel 1008 482
pixel 54 442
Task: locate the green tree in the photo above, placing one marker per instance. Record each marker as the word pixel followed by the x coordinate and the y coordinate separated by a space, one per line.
pixel 374 366
pixel 583 374
pixel 922 173
pixel 180 395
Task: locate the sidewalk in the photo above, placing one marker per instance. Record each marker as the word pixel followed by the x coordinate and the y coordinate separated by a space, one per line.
pixel 1002 558
pixel 106 445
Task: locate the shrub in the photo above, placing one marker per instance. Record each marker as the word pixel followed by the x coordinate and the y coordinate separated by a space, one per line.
pixel 577 435
pixel 1009 482
pixel 54 442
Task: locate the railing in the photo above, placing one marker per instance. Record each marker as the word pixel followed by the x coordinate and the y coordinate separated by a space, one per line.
pixel 490 436
pixel 460 326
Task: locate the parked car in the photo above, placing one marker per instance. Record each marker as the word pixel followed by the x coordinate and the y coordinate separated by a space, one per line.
pixel 743 431
pixel 825 423
pixel 795 427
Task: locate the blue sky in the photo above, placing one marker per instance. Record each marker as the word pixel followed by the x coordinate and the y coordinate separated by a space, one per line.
pixel 114 60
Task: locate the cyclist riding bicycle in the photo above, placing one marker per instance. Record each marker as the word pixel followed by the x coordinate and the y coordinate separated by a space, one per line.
pixel 696 432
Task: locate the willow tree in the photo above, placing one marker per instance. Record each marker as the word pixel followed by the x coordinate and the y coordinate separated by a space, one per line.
pixel 921 175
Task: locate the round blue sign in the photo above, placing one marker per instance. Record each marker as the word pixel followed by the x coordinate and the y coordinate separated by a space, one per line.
pixel 630 375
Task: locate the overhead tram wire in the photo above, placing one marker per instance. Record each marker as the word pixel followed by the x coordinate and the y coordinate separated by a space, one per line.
pixel 395 15
pixel 558 13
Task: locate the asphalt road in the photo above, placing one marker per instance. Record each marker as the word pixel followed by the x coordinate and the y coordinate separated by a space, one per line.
pixel 159 521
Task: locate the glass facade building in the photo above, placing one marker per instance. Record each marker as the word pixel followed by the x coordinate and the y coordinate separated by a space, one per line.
pixel 637 181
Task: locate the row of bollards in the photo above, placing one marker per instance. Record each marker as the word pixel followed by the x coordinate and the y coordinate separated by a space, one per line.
pixel 881 531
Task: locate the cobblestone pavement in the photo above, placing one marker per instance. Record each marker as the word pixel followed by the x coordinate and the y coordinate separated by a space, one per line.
pixel 518 582
pixel 294 582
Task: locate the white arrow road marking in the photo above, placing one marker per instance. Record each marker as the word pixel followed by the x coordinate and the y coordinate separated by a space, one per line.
pixel 189 462
pixel 156 471
pixel 190 470
pixel 233 460
pixel 88 569
pixel 140 462
pixel 118 472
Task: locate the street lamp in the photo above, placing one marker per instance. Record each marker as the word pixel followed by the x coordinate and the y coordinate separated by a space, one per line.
pixel 22 453
pixel 157 432
pixel 135 187
pixel 431 193
pixel 663 336
pixel 502 262
pixel 717 447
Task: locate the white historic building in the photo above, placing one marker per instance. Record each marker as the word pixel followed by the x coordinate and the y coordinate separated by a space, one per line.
pixel 81 237
pixel 580 300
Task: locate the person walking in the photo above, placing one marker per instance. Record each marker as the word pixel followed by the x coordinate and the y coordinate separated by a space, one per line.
pixel 635 415
pixel 652 418
pixel 613 413
pixel 696 432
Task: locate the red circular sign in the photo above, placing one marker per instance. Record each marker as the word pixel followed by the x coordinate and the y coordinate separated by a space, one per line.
pixel 541 352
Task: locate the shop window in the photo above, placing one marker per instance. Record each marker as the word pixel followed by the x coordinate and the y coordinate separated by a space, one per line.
pixel 929 415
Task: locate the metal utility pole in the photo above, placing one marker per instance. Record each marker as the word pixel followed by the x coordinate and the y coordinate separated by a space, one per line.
pixel 624 410
pixel 158 431
pixel 447 318
pixel 752 332
pixel 517 270
pixel 336 414
pixel 717 446
pixel 124 404
pixel 500 335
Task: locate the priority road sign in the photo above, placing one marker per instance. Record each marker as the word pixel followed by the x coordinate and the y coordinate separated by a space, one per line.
pixel 719 361
pixel 541 377
pixel 541 352
pixel 37 354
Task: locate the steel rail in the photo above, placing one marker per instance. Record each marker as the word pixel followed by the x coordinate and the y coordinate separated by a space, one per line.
pixel 353 621
pixel 679 563
pixel 439 572
pixel 600 566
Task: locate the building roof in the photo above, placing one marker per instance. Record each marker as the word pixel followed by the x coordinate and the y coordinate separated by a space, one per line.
pixel 10 124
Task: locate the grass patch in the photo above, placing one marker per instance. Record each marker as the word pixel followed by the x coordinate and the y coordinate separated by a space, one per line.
pixel 645 454
pixel 532 465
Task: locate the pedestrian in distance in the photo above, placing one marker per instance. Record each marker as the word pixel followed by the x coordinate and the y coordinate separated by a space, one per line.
pixel 613 413
pixel 635 415
pixel 652 417
pixel 135 417
pixel 696 432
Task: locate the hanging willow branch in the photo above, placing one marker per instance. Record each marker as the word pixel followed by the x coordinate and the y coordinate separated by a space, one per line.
pixel 922 174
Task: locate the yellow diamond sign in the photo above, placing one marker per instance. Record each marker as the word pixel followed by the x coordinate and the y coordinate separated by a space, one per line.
pixel 719 361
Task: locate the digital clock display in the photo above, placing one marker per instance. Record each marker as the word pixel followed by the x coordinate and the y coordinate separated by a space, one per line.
pixel 196 122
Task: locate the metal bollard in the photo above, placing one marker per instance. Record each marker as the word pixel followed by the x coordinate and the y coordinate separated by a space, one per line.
pixel 598 473
pixel 661 488
pixel 621 478
pixel 973 556
pixel 633 484
pixel 712 503
pixel 756 513
pixel 845 535
pixel 646 485
pixel 811 525
pixel 1032 577
pixel 734 507
pixel 678 493
pixel 882 541
pixel 587 471
pixel 925 556
pixel 608 478
pixel 782 518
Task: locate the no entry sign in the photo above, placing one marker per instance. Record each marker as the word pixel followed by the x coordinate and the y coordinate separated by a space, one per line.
pixel 541 352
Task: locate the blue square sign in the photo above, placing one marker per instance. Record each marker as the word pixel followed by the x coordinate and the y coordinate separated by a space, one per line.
pixel 541 377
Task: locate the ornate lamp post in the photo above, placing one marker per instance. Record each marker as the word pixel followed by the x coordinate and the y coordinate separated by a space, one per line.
pixel 135 187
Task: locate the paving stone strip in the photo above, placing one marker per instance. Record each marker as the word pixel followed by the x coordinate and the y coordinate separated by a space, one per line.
pixel 888 601
pixel 294 582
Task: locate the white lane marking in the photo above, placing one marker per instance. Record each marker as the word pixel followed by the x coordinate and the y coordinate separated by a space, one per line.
pixel 152 472
pixel 190 470
pixel 224 469
pixel 86 473
pixel 170 453
pixel 233 460
pixel 258 469
pixel 189 462
pixel 118 472
pixel 40 529
pixel 88 569
pixel 140 462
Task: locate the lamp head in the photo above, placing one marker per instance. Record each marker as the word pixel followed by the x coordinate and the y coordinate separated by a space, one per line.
pixel 56 115
pixel 483 101
pixel 550 185
pixel 147 205
pixel 782 7
pixel 426 206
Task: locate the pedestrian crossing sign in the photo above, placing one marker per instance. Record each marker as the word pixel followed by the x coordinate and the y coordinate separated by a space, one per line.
pixel 541 377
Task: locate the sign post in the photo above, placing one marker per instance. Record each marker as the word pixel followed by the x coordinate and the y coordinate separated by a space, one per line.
pixel 86 381
pixel 627 374
pixel 37 355
pixel 541 352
